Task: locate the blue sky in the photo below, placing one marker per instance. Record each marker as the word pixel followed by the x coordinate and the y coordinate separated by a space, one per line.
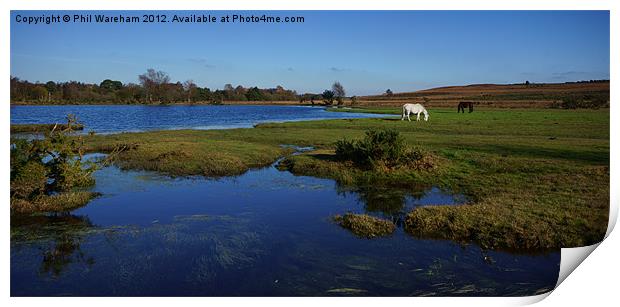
pixel 367 51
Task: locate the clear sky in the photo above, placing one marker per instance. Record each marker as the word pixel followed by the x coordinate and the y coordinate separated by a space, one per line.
pixel 367 52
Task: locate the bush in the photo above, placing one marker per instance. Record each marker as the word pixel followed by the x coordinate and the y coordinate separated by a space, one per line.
pixel 347 150
pixel 381 148
pixel 48 167
pixel 586 101
pixel 30 181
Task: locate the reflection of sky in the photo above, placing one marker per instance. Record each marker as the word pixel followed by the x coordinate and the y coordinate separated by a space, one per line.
pixel 238 235
pixel 144 197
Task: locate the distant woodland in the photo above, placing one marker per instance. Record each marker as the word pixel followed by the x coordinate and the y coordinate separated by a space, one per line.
pixel 154 87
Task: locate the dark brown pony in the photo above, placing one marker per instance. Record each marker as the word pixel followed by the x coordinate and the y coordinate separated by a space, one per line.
pixel 463 104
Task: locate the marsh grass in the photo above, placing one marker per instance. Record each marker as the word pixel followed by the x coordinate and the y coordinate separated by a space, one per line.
pixel 41 128
pixel 533 178
pixel 365 226
pixel 184 153
pixel 61 202
pixel 525 189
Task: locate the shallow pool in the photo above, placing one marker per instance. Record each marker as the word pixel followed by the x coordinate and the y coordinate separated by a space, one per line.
pixel 264 233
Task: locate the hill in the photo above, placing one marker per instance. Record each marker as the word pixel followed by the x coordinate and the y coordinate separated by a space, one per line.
pixel 583 94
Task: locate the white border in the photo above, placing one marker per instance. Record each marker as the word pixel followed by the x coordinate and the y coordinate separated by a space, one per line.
pixel 596 279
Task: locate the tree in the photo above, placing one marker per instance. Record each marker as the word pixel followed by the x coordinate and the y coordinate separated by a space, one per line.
pixel 254 94
pixel 130 93
pixel 328 97
pixel 307 97
pixel 154 87
pixel 172 92
pixel 338 91
pixel 39 93
pixel 202 94
pixel 313 98
pixel 71 91
pixel 239 93
pixel 110 85
pixel 51 89
pixel 189 87
pixel 388 92
pixel 153 82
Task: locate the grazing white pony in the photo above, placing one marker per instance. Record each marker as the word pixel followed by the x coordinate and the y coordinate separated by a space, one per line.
pixel 414 108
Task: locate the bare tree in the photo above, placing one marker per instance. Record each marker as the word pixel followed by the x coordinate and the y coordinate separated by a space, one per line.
pixel 339 92
pixel 189 87
pixel 153 81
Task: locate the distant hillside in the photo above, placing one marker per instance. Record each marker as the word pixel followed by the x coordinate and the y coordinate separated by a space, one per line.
pixel 495 95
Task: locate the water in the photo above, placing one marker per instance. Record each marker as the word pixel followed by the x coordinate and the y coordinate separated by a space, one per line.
pixel 123 118
pixel 264 233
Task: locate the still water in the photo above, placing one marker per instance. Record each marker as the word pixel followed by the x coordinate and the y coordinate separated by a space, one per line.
pixel 264 233
pixel 123 118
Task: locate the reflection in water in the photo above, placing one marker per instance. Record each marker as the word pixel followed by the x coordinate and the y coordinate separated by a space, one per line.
pixel 380 200
pixel 395 203
pixel 60 236
pixel 263 233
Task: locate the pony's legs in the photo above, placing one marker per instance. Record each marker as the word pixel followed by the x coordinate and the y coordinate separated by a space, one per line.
pixel 409 119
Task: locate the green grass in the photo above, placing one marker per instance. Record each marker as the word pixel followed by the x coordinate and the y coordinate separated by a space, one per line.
pixel 365 226
pixel 534 178
pixel 184 153
pixel 61 202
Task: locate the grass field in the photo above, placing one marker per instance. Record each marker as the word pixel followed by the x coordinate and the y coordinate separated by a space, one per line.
pixel 535 178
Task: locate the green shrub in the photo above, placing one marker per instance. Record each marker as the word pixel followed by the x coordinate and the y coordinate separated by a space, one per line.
pixel 380 149
pixel 586 101
pixel 346 150
pixel 48 167
pixel 30 180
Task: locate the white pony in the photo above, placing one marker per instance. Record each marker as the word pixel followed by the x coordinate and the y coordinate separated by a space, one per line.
pixel 414 108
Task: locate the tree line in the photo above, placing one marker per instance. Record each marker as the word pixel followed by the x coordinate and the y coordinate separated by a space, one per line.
pixel 154 87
